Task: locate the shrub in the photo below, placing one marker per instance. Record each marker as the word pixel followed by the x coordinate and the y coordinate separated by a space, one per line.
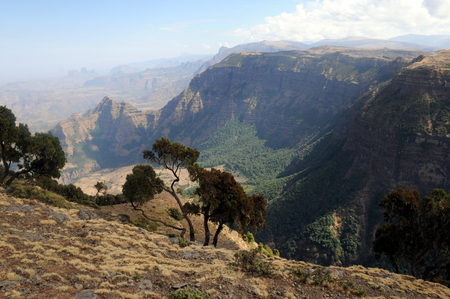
pixel 350 285
pixel 322 276
pixel 142 222
pixel 22 190
pixel 189 293
pixel 175 214
pixel 251 261
pixel 302 274
pixel 248 238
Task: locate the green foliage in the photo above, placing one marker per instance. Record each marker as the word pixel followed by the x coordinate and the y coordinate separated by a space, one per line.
pixel 138 277
pixel 303 275
pixel 416 232
pixel 322 276
pixel 141 186
pixel 173 157
pixel 238 147
pixel 175 214
pixel 23 190
pixel 350 285
pixel 222 200
pixel 142 222
pixel 253 262
pixel 189 293
pixel 248 238
pixel 40 154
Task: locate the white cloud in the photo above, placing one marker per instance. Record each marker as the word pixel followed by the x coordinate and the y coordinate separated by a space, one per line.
pixel 206 46
pixel 366 18
pixel 224 45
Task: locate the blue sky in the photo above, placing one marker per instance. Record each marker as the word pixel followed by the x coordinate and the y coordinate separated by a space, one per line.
pixel 37 38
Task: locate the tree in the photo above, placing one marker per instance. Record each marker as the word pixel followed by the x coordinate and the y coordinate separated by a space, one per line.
pixel 416 232
pixel 173 157
pixel 8 141
pixel 222 200
pixel 140 187
pixel 100 186
pixel 40 154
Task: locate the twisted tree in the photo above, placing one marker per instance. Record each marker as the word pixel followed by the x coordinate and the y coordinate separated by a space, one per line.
pixel 173 157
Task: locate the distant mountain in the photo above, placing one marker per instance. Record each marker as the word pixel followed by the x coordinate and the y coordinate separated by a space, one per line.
pixel 123 69
pixel 370 43
pixel 264 46
pixel 169 62
pixel 439 41
pixel 323 133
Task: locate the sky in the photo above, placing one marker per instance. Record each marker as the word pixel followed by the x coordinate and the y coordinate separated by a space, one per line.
pixel 43 38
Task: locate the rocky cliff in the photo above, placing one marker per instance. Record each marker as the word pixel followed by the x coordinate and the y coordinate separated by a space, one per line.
pixel 394 136
pixel 346 125
pixel 108 135
pixel 287 95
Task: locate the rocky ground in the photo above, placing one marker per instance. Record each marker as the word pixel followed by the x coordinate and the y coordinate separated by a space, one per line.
pixel 48 252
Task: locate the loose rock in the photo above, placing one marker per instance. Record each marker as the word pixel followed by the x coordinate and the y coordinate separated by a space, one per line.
pixel 174 240
pixel 179 285
pixel 190 255
pixel 86 214
pixel 86 294
pixel 59 217
pixel 19 208
pixel 8 285
pixel 145 285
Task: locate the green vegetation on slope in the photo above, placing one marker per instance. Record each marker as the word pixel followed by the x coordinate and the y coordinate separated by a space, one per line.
pixel 238 147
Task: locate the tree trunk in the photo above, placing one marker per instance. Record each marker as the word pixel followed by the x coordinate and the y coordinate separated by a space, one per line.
pixel 191 226
pixel 207 233
pixel 216 236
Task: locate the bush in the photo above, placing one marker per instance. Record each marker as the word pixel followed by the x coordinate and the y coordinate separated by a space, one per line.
pixel 251 261
pixel 322 276
pixel 142 222
pixel 302 274
pixel 189 293
pixel 248 238
pixel 175 214
pixel 22 190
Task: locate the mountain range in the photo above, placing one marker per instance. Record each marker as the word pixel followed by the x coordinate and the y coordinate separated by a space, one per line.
pixel 323 133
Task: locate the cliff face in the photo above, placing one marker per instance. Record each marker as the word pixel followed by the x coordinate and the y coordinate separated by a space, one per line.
pixel 396 136
pixel 287 95
pixel 105 136
pixel 323 205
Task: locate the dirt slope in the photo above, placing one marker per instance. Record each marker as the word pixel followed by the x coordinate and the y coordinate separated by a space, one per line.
pixel 41 257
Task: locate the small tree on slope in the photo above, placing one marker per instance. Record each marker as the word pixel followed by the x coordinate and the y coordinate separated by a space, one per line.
pixel 222 200
pixel 173 157
pixel 141 187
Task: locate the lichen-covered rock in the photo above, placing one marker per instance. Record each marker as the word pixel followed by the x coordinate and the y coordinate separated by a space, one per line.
pixel 8 285
pixel 145 285
pixel 60 217
pixel 85 214
pixel 86 294
pixel 19 208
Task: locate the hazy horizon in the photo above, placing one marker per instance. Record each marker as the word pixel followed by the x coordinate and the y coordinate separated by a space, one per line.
pixel 48 38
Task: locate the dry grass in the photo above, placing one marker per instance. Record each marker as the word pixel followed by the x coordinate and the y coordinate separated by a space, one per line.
pixel 106 255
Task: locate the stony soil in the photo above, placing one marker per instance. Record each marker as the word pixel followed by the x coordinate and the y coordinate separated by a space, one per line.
pixel 41 257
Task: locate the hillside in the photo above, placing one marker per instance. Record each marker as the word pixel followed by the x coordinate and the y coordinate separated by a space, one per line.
pixel 278 121
pixel 394 136
pixel 51 252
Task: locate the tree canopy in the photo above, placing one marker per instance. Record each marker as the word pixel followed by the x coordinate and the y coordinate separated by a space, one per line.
pixel 173 157
pixel 416 233
pixel 39 154
pixel 141 186
pixel 222 200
